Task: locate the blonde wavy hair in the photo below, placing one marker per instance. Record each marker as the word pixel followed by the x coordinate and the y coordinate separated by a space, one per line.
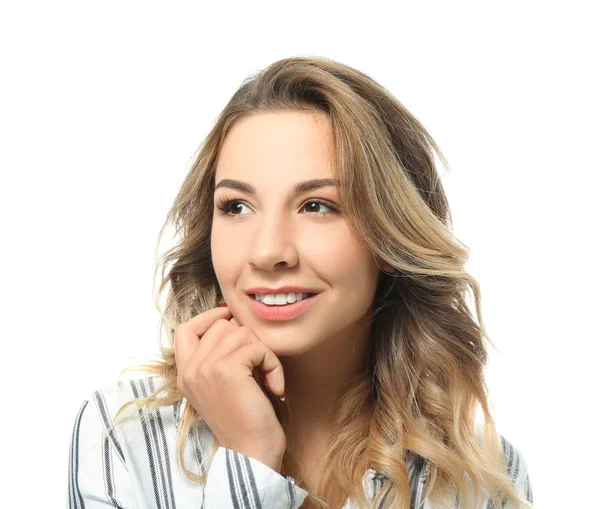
pixel 425 380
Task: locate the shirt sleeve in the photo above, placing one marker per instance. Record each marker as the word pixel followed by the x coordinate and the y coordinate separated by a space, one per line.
pixel 518 471
pixel 238 481
pixel 98 476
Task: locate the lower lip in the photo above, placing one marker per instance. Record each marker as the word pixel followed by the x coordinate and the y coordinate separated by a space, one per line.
pixel 280 313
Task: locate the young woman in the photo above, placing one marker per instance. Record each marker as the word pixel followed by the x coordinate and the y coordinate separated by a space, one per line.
pixel 346 368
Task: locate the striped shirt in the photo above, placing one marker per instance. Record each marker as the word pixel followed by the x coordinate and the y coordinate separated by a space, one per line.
pixel 135 466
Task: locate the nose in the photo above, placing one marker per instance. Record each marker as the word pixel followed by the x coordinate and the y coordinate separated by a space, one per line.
pixel 273 244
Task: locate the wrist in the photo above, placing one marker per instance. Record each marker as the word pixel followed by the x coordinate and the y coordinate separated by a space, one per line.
pixel 273 461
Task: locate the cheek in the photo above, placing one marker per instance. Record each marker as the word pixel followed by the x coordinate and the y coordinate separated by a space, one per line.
pixel 339 256
pixel 221 253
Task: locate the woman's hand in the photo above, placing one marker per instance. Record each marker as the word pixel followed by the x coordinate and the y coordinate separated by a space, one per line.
pixel 216 359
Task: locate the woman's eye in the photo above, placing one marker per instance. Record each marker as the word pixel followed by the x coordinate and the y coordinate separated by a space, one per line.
pixel 230 205
pixel 317 204
pixel 231 208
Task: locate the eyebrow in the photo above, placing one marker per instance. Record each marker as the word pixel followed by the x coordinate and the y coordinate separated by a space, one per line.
pixel 299 188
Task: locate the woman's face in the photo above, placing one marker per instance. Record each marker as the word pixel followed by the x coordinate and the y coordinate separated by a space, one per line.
pixel 276 236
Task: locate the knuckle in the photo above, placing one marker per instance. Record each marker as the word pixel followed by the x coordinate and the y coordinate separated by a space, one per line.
pixel 246 332
pixel 204 372
pixel 221 322
pixel 244 336
pixel 220 369
pixel 220 326
pixel 187 378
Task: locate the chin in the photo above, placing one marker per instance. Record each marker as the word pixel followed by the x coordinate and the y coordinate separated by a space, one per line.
pixel 284 343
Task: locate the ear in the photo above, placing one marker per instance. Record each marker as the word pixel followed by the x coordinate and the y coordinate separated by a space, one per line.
pixel 385 266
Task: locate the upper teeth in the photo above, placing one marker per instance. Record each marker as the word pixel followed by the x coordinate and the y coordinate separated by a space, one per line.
pixel 280 299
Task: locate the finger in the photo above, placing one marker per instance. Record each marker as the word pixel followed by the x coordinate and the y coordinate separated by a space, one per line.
pixel 214 336
pixel 212 340
pixel 188 334
pixel 201 322
pixel 257 374
pixel 230 342
pixel 257 355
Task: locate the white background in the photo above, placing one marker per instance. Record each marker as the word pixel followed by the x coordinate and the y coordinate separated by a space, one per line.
pixel 103 106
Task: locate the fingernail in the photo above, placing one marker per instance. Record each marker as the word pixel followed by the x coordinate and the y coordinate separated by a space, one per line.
pixel 223 305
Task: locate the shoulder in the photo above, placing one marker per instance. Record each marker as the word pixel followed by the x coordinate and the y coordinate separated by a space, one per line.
pixel 115 406
pixel 110 398
pixel 109 462
pixel 135 435
pixel 517 468
pixel 516 465
pixel 103 416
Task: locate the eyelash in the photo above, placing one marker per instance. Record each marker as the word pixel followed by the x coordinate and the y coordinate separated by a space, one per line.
pixel 224 204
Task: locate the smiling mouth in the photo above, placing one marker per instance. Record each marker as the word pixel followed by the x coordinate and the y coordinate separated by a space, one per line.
pixel 281 312
pixel 281 299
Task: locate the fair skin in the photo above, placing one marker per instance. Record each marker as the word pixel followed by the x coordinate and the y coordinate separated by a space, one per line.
pixel 276 237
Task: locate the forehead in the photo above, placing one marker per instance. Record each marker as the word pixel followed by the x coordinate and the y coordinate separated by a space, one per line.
pixel 275 145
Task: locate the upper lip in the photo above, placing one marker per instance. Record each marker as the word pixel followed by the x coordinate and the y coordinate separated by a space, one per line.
pixel 263 290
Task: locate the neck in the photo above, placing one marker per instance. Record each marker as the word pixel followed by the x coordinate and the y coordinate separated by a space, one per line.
pixel 315 381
